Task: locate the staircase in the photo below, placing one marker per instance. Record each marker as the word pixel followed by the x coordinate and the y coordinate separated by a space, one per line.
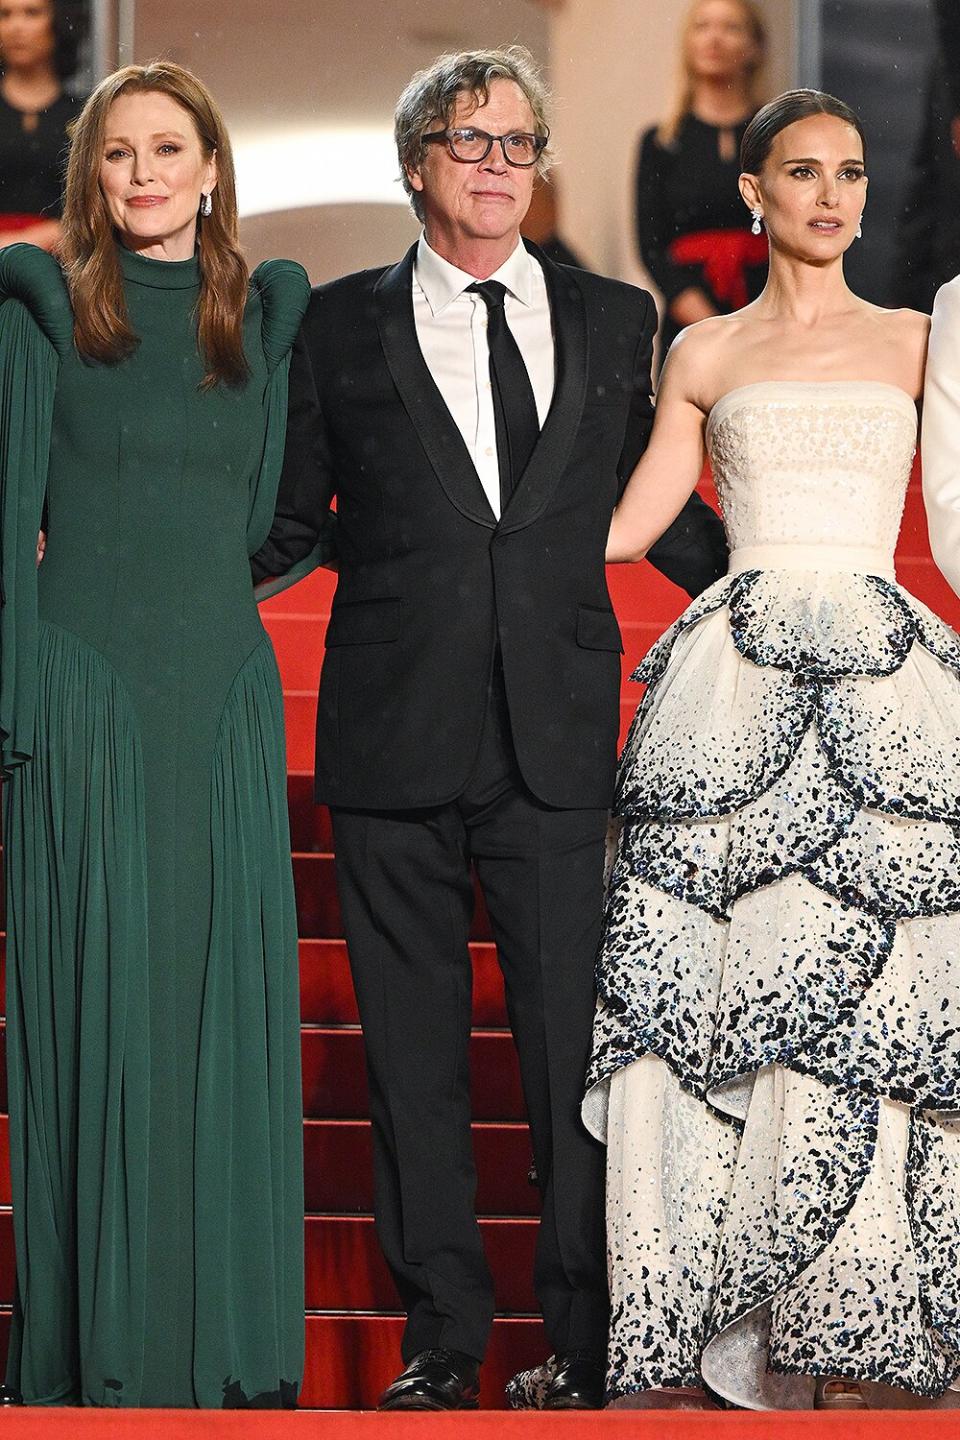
pixel 353 1321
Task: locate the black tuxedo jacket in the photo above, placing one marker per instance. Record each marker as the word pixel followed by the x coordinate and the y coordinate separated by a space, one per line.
pixel 430 582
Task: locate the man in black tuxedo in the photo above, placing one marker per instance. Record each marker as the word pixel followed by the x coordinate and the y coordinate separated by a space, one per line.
pixel 477 410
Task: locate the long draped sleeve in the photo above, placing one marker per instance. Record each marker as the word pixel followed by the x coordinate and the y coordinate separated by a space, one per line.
pixel 283 290
pixel 35 326
pixel 941 434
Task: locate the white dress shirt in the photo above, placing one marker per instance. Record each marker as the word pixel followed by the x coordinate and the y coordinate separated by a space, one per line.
pixel 452 331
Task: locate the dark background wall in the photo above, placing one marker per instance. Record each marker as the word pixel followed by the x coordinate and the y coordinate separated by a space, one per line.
pixel 877 55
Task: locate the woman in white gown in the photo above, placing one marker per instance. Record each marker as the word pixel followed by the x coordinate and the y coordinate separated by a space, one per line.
pixel 776 1069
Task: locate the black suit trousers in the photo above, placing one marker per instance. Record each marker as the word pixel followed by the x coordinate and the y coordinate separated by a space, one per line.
pixel 405 887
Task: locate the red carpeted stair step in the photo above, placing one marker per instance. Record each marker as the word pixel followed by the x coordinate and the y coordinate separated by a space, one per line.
pixel 310 827
pixel 921 577
pixel 318 904
pixel 6 1255
pixel 913 529
pixel 312 596
pixel 346 1270
pixel 300 722
pixel 335 1079
pixel 326 987
pixel 5 1195
pixel 339 1171
pixel 298 642
pixel 351 1358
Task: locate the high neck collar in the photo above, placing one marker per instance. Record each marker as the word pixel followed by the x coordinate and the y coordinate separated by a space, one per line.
pixel 159 274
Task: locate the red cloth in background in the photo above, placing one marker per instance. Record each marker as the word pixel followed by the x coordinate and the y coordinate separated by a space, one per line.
pixel 725 256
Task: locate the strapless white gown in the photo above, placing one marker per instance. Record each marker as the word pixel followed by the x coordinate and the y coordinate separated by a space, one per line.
pixel 776 1068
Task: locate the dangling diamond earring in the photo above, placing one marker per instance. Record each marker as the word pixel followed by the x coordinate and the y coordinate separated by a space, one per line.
pixel 860 228
pixel 757 225
pixel 206 205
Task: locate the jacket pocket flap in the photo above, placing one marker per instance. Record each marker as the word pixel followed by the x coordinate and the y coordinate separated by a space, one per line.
pixel 364 622
pixel 598 629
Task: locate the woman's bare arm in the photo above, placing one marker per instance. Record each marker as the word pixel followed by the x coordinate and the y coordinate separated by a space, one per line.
pixel 670 467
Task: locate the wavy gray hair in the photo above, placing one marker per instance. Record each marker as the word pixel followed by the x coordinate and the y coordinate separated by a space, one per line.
pixel 432 96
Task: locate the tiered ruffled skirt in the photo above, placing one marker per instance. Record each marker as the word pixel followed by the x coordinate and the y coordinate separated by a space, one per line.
pixel 776 1069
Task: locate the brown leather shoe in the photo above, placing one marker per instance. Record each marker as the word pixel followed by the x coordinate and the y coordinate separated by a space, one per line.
pixel 435 1380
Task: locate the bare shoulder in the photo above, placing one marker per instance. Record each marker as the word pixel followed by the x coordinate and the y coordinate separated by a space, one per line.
pixel 697 359
pixel 909 322
pixel 907 333
pixel 900 327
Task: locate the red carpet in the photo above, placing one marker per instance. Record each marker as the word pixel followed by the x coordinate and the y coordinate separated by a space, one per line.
pixel 353 1329
pixel 265 1425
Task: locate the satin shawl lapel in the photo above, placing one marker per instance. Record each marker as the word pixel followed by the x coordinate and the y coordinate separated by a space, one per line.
pixel 442 441
pixel 552 451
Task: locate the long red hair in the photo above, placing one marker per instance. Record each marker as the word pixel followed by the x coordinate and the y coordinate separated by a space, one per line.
pixel 102 329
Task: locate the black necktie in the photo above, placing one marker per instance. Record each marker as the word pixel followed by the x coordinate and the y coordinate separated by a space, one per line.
pixel 514 408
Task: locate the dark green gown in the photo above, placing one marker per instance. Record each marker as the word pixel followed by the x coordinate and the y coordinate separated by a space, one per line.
pixel 152 990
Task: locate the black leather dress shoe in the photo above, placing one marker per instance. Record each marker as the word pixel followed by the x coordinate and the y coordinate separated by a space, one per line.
pixel 10 1397
pixel 435 1380
pixel 578 1382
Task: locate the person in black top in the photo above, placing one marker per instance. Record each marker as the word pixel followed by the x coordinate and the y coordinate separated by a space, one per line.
pixel 689 215
pixel 928 241
pixel 39 40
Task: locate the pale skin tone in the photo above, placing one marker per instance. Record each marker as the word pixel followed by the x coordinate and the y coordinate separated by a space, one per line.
pixel 152 176
pixel 472 212
pixel 30 84
pixel 721 55
pixel 807 324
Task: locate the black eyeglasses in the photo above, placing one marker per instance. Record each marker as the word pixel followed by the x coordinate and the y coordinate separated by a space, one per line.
pixel 470 146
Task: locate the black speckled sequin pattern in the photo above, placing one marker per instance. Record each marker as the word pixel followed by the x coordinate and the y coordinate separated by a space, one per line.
pixel 776 1063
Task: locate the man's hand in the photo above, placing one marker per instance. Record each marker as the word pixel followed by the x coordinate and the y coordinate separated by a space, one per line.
pixel 41 545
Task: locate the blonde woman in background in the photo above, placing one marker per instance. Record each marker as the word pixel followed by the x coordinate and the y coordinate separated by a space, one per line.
pixel 690 226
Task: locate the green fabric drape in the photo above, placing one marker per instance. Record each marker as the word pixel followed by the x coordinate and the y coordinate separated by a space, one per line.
pixel 152 1016
pixel 28 373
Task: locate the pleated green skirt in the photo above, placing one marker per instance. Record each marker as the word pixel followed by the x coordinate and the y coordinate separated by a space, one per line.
pixel 154 1080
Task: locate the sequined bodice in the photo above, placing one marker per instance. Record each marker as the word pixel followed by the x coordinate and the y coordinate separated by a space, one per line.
pixel 813 465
